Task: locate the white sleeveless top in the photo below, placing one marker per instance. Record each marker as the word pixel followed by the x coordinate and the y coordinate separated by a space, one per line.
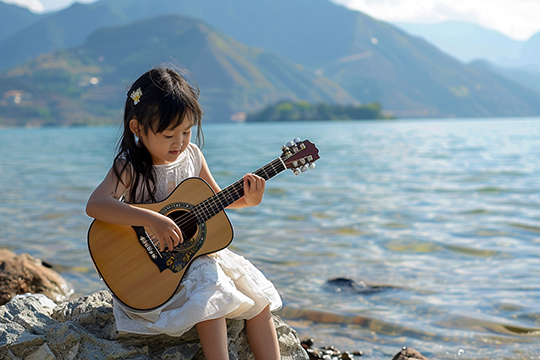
pixel 168 176
pixel 223 284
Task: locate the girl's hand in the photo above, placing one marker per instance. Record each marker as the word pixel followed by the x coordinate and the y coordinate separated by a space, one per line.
pixel 253 189
pixel 165 231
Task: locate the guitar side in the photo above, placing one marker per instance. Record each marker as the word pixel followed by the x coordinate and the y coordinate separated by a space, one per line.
pixel 126 267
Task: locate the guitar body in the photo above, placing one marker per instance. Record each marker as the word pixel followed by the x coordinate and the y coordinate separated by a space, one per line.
pixel 127 258
pixel 126 266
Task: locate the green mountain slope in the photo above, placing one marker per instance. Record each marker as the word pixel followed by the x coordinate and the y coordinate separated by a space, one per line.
pixel 413 78
pixel 309 32
pixel 372 60
pixel 87 84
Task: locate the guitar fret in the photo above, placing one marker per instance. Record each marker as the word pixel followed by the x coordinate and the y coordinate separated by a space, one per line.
pixel 218 202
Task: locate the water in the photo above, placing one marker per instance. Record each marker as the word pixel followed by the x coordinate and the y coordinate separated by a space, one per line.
pixel 441 217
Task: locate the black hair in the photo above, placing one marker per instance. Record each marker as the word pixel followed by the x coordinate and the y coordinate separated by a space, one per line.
pixel 160 99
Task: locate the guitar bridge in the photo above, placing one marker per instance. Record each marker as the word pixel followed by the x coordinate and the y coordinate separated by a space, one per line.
pixel 150 248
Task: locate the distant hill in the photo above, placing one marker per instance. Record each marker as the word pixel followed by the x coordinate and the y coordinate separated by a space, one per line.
pixel 14 18
pixel 466 41
pixel 413 78
pixel 528 76
pixel 530 52
pixel 57 31
pixel 87 84
pixel 372 60
pixel 469 42
pixel 486 50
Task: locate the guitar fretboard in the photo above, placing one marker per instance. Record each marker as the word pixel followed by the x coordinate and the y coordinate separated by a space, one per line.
pixel 214 204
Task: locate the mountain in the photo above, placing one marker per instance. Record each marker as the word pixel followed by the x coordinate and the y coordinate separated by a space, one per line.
pixel 14 18
pixel 530 52
pixel 527 76
pixel 485 50
pixel 412 78
pixel 467 41
pixel 372 60
pixel 87 83
pixel 309 32
pixel 56 31
pixel 305 31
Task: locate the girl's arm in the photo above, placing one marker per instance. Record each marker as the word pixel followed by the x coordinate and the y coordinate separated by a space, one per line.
pixel 104 205
pixel 253 187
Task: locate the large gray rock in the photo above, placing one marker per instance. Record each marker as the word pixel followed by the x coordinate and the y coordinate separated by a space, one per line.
pixel 33 327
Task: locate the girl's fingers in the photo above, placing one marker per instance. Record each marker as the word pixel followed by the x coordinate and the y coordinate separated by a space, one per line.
pixel 180 236
pixel 253 182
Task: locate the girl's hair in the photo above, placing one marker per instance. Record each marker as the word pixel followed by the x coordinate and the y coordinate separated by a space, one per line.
pixel 160 99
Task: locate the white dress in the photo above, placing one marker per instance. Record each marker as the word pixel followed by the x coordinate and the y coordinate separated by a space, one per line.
pixel 223 284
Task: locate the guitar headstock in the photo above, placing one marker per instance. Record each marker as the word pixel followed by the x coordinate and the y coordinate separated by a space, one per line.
pixel 299 156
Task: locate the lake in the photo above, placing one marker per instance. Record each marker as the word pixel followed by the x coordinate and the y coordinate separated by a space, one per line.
pixel 434 223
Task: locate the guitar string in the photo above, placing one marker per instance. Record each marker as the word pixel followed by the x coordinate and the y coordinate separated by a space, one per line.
pixel 237 187
pixel 209 210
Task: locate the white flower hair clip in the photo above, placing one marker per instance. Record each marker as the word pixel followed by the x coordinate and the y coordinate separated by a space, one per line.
pixel 136 96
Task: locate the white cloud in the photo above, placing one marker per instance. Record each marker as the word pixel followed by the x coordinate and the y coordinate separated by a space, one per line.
pixel 45 5
pixel 517 19
pixel 34 5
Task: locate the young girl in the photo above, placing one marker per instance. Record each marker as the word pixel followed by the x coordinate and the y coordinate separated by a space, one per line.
pixel 154 155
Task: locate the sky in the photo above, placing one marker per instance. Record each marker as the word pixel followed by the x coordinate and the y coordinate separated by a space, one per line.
pixel 517 19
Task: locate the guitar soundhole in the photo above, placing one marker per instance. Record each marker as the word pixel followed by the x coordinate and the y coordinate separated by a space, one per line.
pixel 187 222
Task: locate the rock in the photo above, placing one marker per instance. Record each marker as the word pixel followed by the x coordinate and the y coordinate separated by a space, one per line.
pixel 409 354
pixel 20 274
pixel 327 352
pixel 34 327
pixel 349 286
pixel 330 352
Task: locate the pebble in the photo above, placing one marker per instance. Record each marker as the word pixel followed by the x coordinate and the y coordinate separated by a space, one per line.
pixel 327 352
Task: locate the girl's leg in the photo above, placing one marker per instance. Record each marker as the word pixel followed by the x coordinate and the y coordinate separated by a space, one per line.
pixel 213 337
pixel 262 336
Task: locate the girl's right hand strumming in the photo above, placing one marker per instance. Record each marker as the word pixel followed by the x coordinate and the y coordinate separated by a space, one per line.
pixel 104 205
pixel 165 231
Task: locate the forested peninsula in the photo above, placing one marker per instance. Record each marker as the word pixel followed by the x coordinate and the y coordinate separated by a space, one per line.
pixel 304 111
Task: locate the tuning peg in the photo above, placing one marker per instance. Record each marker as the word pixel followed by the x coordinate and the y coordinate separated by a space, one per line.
pixel 284 148
pixel 297 140
pixel 296 172
pixel 311 166
pixel 290 144
pixel 304 168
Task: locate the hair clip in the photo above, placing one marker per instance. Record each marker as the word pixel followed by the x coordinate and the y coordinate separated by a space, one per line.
pixel 136 96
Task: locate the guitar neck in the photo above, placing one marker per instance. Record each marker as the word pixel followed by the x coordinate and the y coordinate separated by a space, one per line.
pixel 214 204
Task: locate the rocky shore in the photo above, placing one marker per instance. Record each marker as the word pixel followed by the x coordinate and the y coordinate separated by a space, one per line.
pixel 34 327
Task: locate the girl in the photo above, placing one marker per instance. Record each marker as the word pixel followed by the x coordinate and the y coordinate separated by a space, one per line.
pixel 154 155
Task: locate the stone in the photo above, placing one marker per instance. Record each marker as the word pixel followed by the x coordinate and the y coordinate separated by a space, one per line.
pixel 20 274
pixel 349 286
pixel 409 354
pixel 330 352
pixel 42 353
pixel 34 327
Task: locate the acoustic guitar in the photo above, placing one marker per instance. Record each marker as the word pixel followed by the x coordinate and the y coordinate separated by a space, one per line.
pixel 127 258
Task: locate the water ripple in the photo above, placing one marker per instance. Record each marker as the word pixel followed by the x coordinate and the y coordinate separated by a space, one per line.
pixel 445 214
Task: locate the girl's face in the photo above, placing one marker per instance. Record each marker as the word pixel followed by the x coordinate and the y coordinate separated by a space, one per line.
pixel 165 147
